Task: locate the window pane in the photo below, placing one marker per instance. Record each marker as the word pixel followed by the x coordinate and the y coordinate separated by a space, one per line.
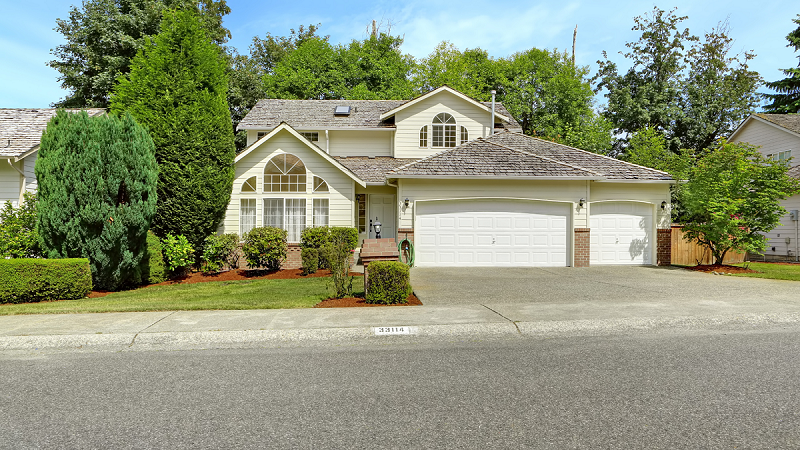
pixel 438 135
pixel 295 218
pixel 464 135
pixel 320 185
pixel 449 135
pixel 247 215
pixel 423 136
pixel 321 211
pixel 249 185
pixel 273 212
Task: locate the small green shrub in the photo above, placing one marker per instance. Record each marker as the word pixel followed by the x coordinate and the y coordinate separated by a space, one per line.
pixel 345 235
pixel 178 254
pixel 317 237
pixel 220 250
pixel 310 258
pixel 265 247
pixel 388 283
pixel 18 236
pixel 34 280
pixel 153 262
pixel 314 237
pixel 337 255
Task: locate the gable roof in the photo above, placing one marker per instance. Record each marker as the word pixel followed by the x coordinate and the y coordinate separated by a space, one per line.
pixel 317 150
pixel 364 114
pixel 439 90
pixel 508 154
pixel 786 122
pixel 21 129
pixel 373 170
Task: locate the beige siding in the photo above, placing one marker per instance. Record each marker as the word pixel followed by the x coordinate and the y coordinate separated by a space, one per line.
pixel 653 194
pixel 771 139
pixel 30 174
pixel 409 121
pixel 10 181
pixel 342 192
pixel 787 229
pixel 359 142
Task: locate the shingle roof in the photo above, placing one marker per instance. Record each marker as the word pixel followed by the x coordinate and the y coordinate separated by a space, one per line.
pixel 372 170
pixel 789 121
pixel 21 129
pixel 318 114
pixel 517 155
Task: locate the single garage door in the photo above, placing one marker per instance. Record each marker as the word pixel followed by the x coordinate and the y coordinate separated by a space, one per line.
pixel 491 233
pixel 620 233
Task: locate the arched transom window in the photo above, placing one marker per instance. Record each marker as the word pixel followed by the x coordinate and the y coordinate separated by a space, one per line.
pixel 444 131
pixel 249 185
pixel 285 173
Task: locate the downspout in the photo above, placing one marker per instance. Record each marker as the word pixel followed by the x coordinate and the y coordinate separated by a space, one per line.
pixel 491 125
pixel 24 182
pixel 327 143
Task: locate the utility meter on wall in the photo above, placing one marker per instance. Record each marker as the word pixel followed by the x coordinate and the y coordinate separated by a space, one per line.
pixel 793 214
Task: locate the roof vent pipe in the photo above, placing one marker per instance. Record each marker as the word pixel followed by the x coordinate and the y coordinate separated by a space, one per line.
pixel 491 130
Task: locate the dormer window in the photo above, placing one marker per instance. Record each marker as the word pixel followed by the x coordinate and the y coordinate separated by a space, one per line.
pixel 444 130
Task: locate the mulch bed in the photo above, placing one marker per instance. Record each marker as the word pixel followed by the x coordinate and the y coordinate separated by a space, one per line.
pixel 720 268
pixel 357 301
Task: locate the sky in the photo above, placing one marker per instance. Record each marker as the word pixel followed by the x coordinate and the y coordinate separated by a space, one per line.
pixel 501 28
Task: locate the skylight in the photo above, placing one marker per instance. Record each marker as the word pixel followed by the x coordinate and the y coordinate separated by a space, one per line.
pixel 342 111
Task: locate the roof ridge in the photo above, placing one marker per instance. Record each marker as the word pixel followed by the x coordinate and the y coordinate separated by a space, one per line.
pixel 547 159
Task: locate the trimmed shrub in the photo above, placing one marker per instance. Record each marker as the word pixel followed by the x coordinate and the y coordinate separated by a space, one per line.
pixel 178 254
pixel 314 237
pixel 265 247
pixel 35 280
pixel 97 194
pixel 336 255
pixel 220 250
pixel 310 258
pixel 388 283
pixel 317 237
pixel 153 262
pixel 18 236
pixel 344 235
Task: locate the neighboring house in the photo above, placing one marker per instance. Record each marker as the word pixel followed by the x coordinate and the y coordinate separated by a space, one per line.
pixel 437 170
pixel 778 136
pixel 20 134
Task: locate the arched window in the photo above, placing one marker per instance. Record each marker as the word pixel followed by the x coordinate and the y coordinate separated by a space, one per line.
pixel 444 130
pixel 249 185
pixel 320 185
pixel 423 136
pixel 464 135
pixel 285 173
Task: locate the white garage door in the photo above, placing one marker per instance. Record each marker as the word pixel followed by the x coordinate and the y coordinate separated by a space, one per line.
pixel 491 233
pixel 620 233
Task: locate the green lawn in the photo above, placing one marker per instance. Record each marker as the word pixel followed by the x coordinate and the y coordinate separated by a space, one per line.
pixel 774 271
pixel 248 294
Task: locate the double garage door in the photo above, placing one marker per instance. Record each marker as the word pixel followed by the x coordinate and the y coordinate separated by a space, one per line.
pixel 491 233
pixel 526 233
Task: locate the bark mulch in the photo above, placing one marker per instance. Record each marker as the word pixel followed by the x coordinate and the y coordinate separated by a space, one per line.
pixel 720 269
pixel 357 301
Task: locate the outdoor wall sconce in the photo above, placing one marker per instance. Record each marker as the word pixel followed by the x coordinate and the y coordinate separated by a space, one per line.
pixel 582 202
pixel 664 205
pixel 406 202
pixel 377 229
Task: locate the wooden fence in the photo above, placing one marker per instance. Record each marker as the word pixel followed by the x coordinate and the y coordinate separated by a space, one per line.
pixel 690 253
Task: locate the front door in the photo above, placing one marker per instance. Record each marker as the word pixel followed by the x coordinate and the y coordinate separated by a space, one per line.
pixel 382 208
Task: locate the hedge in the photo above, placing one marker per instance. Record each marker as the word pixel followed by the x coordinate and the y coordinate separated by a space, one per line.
pixel 388 282
pixel 265 247
pixel 153 270
pixel 35 280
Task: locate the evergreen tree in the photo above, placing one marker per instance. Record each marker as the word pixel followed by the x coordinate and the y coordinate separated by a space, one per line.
pixel 177 88
pixel 97 194
pixel 788 98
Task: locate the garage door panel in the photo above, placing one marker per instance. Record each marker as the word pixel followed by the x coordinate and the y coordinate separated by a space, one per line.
pixel 620 233
pixel 494 232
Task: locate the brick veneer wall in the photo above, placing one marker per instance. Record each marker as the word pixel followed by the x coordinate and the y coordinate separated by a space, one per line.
pixel 664 247
pixel 293 260
pixel 581 247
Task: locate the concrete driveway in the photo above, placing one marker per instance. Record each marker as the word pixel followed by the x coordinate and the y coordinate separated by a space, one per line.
pixel 586 292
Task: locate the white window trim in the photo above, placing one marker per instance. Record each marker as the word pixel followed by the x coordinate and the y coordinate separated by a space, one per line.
pixel 255 215
pixel 304 225
pixel 444 131
pixel 265 175
pixel 314 212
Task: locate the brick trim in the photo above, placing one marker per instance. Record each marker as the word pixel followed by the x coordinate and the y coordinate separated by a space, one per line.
pixel 581 248
pixel 664 247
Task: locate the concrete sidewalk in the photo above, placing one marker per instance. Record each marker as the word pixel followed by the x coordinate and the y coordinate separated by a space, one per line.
pixel 234 329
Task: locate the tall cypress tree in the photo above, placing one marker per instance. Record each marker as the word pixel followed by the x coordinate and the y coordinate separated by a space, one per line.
pixel 788 98
pixel 177 88
pixel 97 194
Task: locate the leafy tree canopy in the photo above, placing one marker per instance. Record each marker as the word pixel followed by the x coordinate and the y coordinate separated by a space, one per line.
pixel 732 197
pixel 18 235
pixel 187 114
pixel 788 98
pixel 648 147
pixel 97 194
pixel 692 91
pixel 103 36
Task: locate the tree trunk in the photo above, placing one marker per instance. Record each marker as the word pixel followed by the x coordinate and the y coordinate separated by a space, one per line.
pixel 719 256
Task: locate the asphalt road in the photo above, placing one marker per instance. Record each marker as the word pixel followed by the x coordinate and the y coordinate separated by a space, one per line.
pixel 673 389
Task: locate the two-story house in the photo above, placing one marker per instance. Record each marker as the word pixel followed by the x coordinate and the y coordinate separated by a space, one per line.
pixel 778 138
pixel 453 175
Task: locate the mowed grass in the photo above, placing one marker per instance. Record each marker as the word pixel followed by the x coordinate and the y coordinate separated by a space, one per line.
pixel 789 272
pixel 217 295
